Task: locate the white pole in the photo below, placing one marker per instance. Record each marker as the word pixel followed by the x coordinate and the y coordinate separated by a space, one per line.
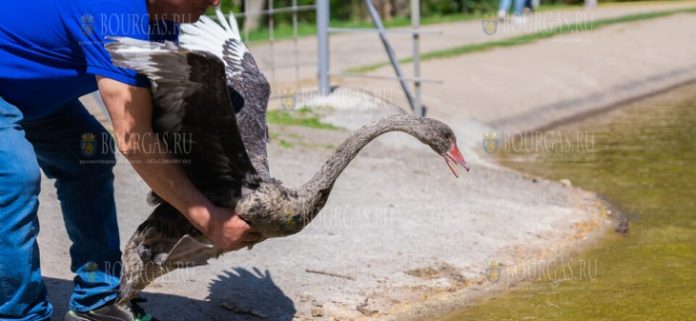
pixel 415 22
pixel 322 7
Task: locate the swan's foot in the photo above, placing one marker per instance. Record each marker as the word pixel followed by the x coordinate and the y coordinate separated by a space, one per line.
pixel 141 267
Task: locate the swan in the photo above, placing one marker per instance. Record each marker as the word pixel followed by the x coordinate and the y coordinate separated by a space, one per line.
pixel 209 88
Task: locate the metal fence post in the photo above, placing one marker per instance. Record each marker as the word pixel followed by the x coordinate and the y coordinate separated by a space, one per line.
pixel 377 22
pixel 415 23
pixel 322 9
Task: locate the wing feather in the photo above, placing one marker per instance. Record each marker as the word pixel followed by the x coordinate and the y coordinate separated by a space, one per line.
pixel 244 80
pixel 192 109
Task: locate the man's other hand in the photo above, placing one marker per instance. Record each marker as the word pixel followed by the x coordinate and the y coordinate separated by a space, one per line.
pixel 228 231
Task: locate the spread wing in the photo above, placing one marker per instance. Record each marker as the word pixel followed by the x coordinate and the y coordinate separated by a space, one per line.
pixel 192 112
pixel 249 89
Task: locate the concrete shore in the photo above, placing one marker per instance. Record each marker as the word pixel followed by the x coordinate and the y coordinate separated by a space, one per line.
pixel 400 237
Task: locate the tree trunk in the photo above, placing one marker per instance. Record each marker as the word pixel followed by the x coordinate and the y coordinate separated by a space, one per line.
pixel 384 8
pixel 253 19
pixel 358 10
pixel 402 8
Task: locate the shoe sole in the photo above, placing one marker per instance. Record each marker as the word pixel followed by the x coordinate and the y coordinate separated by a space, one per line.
pixel 72 316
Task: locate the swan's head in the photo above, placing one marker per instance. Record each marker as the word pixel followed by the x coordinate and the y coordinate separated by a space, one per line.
pixel 441 139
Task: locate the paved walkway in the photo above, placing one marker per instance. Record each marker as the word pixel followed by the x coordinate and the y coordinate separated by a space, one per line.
pixel 359 49
pixel 524 87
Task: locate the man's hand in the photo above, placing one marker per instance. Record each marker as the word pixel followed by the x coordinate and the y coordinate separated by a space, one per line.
pixel 228 231
pixel 131 114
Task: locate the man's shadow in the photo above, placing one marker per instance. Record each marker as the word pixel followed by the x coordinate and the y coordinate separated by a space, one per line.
pixel 239 294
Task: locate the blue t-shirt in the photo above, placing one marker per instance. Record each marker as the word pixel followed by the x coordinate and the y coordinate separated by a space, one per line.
pixel 51 50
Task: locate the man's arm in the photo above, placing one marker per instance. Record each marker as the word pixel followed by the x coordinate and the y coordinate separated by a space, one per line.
pixel 130 109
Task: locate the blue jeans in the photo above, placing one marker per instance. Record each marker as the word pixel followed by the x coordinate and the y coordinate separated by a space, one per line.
pixel 82 169
pixel 504 5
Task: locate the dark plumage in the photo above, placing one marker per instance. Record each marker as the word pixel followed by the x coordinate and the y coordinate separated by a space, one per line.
pixel 197 87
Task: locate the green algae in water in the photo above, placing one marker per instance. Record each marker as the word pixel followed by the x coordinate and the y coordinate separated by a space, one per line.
pixel 642 158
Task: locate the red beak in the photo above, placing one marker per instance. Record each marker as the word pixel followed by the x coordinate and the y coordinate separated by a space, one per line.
pixel 454 157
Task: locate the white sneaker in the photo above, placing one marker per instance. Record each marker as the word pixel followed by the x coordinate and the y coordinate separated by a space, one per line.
pixel 519 20
pixel 501 15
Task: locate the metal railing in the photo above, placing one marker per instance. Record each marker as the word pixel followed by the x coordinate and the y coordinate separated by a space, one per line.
pixel 323 30
pixel 269 62
pixel 272 65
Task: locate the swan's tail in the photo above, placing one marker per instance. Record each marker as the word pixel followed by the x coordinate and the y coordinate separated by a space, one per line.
pixel 230 25
pixel 220 38
pixel 234 25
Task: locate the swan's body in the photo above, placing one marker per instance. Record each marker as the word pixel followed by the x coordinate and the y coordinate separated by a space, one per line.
pixel 197 87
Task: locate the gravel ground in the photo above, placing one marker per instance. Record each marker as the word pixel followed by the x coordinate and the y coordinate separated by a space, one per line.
pixel 399 236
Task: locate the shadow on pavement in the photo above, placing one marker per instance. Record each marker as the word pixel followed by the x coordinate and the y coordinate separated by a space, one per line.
pixel 239 294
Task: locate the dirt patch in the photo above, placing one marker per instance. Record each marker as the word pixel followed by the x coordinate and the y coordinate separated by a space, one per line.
pixel 440 270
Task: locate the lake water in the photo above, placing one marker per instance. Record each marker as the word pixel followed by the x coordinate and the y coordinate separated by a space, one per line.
pixel 642 158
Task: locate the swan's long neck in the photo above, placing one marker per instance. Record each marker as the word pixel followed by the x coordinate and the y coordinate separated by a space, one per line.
pixel 318 187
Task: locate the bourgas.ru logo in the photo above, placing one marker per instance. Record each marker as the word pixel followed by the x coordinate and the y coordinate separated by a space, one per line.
pixel 88 144
pixel 491 142
pixel 288 100
pixel 104 143
pixel 489 25
pixel 87 24
pixel 493 271
pixel 552 141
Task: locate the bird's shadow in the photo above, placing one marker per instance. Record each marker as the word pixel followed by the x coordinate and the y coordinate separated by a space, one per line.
pixel 239 294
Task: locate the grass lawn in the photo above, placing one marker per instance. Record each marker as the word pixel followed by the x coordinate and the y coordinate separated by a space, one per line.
pixel 526 38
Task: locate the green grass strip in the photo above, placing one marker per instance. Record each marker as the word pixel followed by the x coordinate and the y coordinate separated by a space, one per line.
pixel 302 117
pixel 284 30
pixel 527 38
pixel 304 29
